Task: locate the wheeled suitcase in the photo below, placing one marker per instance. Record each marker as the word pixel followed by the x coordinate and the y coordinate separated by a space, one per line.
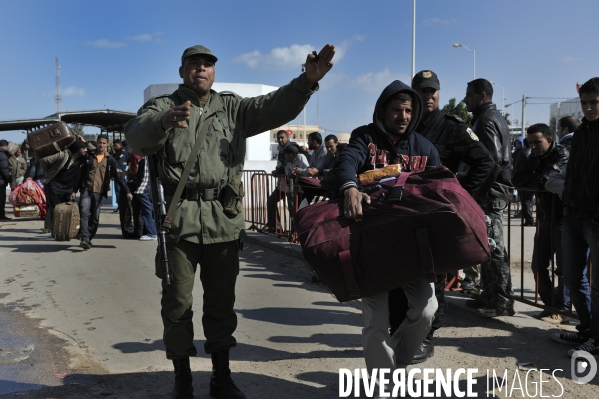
pixel 51 139
pixel 65 223
pixel 416 226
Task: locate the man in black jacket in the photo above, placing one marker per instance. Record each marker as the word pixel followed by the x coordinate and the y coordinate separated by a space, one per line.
pixel 497 298
pixel 456 143
pixel 122 158
pixel 581 222
pixel 5 177
pixel 62 178
pixel 390 137
pixel 547 158
pixel 521 153
pixel 99 169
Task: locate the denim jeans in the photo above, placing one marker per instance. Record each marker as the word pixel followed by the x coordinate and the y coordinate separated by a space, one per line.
pixel 145 210
pixel 579 234
pixel 90 213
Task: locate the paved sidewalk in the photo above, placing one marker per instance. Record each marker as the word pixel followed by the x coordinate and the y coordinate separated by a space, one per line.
pixel 525 316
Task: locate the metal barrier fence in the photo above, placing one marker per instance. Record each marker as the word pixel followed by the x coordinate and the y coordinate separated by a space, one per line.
pixel 523 296
pixel 281 194
pixel 270 195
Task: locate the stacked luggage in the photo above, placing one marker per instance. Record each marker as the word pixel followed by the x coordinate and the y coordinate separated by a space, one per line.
pixel 27 199
pixel 51 139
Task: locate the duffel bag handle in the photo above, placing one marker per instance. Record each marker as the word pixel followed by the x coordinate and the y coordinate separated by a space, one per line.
pixel 396 191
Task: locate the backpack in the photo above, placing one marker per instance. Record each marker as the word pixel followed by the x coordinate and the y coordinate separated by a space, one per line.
pixel 417 225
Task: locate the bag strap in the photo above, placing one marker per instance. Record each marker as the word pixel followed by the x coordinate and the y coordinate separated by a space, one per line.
pixel 396 192
pixel 188 165
pixel 426 256
pixel 401 180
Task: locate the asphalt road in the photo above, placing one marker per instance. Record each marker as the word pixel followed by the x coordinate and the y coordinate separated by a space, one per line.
pixel 93 317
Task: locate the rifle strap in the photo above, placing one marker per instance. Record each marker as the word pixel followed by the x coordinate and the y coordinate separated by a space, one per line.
pixel 188 165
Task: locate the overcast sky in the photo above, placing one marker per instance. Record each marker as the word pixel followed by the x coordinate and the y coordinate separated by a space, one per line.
pixel 110 51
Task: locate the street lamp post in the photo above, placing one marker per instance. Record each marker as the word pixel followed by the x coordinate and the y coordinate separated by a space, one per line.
pixel 502 97
pixel 473 53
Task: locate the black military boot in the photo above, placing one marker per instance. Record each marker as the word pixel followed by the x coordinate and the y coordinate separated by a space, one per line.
pixel 221 384
pixel 426 350
pixel 183 380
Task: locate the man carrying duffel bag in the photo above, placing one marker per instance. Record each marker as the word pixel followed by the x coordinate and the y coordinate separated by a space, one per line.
pixel 391 136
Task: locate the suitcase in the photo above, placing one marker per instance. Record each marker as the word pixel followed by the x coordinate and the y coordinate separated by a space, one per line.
pixel 25 211
pixel 51 139
pixel 416 226
pixel 65 223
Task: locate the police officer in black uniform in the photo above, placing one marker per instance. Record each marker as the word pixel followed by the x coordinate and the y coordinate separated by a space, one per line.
pixel 456 143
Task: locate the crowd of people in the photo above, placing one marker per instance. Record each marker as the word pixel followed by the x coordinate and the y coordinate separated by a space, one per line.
pixel 407 128
pixel 87 169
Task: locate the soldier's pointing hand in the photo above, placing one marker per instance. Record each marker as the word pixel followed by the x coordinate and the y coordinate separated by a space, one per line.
pixel 176 117
pixel 317 68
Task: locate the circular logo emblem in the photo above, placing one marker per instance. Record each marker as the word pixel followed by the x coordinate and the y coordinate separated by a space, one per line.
pixel 427 74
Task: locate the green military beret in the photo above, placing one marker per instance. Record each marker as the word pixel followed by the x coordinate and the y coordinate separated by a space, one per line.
pixel 195 50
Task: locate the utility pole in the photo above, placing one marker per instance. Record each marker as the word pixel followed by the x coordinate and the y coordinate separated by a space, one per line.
pixel 58 96
pixel 523 115
pixel 413 38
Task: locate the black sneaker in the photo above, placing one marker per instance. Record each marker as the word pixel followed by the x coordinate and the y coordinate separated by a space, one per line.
pixel 569 338
pixel 85 244
pixel 589 346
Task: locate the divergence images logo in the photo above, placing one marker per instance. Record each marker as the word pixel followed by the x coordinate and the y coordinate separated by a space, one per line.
pixel 582 363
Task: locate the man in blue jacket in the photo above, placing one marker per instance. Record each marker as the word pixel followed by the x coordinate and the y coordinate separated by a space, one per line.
pixel 390 137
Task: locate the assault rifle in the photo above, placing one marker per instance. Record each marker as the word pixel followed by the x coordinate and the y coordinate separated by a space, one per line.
pixel 159 207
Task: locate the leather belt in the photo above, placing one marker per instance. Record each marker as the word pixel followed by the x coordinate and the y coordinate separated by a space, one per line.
pixel 193 193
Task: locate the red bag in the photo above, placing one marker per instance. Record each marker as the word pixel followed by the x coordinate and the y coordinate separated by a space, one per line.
pixel 27 193
pixel 417 225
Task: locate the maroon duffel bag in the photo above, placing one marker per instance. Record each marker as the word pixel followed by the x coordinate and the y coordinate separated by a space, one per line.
pixel 417 225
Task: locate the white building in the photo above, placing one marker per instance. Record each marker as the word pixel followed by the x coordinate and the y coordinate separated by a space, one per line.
pixel 258 155
pixel 569 107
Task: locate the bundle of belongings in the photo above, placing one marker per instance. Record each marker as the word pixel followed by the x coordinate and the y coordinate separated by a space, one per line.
pixel 28 199
pixel 421 223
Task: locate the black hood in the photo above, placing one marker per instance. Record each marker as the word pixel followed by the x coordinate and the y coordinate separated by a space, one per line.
pixel 393 88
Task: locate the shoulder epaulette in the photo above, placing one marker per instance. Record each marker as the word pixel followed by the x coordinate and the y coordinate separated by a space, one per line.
pixel 454 117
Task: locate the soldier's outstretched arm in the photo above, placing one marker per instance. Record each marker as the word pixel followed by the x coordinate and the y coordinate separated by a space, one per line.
pixel 262 113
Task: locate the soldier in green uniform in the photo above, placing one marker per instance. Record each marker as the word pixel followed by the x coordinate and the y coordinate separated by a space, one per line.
pixel 204 231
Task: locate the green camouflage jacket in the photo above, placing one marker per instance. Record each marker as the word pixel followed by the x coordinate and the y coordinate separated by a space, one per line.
pixel 231 120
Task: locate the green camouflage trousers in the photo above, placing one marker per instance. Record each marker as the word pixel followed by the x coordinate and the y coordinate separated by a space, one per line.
pixel 219 267
pixel 495 275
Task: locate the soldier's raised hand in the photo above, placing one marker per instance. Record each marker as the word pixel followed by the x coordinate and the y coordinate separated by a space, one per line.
pixel 176 117
pixel 317 68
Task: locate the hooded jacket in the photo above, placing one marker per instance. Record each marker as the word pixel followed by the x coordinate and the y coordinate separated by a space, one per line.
pixel 371 147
